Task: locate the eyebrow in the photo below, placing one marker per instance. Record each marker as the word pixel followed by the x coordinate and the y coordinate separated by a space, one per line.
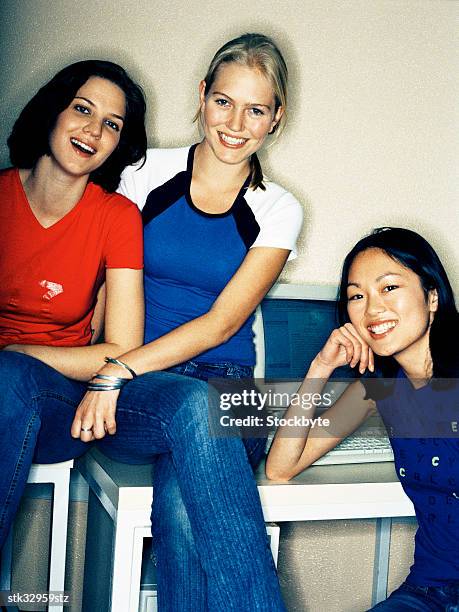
pixel 351 284
pixel 220 93
pixel 93 105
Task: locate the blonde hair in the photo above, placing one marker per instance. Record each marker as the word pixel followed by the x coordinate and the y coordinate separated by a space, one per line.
pixel 260 52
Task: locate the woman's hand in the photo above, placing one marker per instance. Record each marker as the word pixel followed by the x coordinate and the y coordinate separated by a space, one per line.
pixel 345 346
pixel 95 416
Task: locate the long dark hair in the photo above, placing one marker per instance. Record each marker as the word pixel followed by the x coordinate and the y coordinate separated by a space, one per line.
pixel 414 252
pixel 29 139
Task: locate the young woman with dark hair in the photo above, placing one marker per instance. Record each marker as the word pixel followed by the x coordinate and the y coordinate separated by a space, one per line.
pixel 399 320
pixel 217 235
pixel 415 253
pixel 29 140
pixel 64 234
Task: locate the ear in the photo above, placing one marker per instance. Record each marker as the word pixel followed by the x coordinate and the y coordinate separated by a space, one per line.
pixel 432 298
pixel 276 119
pixel 202 93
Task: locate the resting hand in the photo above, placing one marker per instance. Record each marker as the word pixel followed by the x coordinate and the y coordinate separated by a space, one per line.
pixel 345 346
pixel 95 415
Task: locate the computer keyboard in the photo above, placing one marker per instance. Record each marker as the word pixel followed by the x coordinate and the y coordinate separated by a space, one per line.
pixel 356 449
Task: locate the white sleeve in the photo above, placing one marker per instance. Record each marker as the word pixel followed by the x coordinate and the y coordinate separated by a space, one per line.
pixel 131 187
pixel 138 180
pixel 280 220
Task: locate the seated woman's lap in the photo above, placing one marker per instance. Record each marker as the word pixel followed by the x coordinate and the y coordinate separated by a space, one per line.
pixel 146 407
pixel 174 544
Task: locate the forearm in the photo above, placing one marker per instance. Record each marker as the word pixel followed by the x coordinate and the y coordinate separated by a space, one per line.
pixel 177 346
pixel 228 313
pixel 78 363
pixel 290 442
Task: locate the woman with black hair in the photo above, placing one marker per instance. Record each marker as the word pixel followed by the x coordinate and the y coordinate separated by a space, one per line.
pixel 400 324
pixel 64 234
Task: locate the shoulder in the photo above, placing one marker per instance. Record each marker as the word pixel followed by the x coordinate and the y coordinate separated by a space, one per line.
pixel 111 205
pixel 138 180
pixel 274 200
pixel 162 164
pixel 278 215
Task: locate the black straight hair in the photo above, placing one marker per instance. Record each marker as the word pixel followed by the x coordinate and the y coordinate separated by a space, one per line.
pixel 29 139
pixel 413 252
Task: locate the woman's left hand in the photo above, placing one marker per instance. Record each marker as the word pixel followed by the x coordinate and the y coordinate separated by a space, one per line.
pixel 95 415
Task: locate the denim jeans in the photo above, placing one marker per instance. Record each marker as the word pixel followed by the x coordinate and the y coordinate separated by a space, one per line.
pixel 158 414
pixel 175 552
pixel 421 599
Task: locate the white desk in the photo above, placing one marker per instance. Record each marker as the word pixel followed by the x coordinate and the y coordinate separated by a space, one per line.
pixel 120 506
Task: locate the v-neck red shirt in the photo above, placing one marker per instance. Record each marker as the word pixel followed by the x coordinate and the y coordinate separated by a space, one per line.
pixel 49 277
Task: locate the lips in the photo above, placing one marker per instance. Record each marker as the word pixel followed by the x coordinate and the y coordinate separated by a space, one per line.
pixel 380 329
pixel 82 147
pixel 231 141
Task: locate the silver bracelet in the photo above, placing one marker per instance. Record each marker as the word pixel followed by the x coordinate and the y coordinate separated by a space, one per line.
pixel 122 364
pixel 102 388
pixel 115 382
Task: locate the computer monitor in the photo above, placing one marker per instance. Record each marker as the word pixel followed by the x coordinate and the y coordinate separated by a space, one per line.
pixel 291 326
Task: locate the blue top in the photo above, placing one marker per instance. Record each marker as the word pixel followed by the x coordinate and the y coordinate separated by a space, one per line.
pixel 190 256
pixel 428 469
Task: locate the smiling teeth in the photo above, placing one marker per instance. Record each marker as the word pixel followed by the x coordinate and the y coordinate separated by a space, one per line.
pixel 230 140
pixel 382 328
pixel 81 145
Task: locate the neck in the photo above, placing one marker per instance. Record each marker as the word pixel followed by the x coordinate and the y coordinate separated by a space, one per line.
pixel 227 176
pixel 51 192
pixel 416 361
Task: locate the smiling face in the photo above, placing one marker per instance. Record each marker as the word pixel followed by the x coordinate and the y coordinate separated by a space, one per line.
pixel 238 112
pixel 389 307
pixel 88 130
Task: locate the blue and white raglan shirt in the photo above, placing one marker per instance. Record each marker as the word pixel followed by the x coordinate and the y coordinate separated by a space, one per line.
pixel 190 255
pixel 423 427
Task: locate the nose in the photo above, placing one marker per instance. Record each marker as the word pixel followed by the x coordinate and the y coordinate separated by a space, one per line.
pixel 93 127
pixel 236 120
pixel 375 303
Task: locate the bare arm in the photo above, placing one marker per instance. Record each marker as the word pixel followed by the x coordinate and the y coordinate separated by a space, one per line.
pixel 97 321
pixel 124 318
pixel 290 455
pixel 240 297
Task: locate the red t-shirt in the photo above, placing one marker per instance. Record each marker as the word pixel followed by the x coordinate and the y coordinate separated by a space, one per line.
pixel 49 277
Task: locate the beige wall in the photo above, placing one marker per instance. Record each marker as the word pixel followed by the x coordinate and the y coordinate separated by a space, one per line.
pixel 372 138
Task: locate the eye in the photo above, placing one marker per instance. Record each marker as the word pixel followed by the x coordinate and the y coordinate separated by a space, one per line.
pixel 355 297
pixel 256 112
pixel 112 125
pixel 222 102
pixel 390 288
pixel 80 108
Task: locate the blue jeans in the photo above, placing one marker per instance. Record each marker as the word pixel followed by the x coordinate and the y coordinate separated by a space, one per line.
pixel 421 599
pixel 175 551
pixel 158 414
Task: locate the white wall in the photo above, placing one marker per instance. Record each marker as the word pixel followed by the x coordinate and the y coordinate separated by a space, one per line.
pixel 372 136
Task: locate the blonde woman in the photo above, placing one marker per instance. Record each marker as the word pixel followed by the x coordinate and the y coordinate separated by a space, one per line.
pixel 217 234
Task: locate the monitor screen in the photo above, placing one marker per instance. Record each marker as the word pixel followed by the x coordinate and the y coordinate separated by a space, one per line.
pixel 295 329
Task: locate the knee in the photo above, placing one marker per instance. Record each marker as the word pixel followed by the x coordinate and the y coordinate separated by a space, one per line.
pixel 192 394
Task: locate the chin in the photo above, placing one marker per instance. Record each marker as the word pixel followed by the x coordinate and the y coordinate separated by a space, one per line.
pixel 383 352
